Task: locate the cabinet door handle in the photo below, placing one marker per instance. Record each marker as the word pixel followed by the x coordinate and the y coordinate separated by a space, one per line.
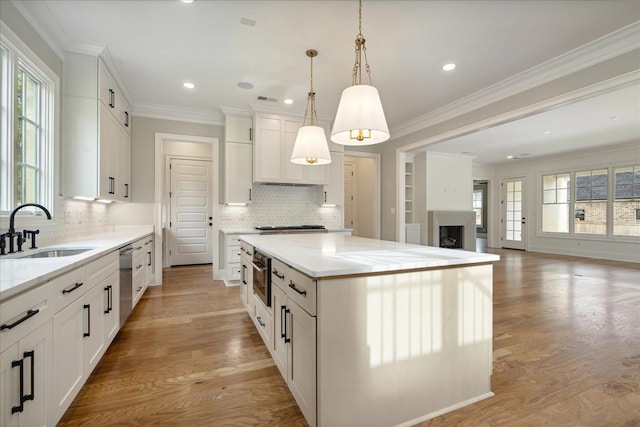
pixel 149 253
pixel 139 267
pixel 139 289
pixel 275 273
pixel 325 197
pixel 29 315
pixel 20 407
pixel 259 319
pixel 283 321
pixel 31 355
pixel 112 98
pixel 88 333
pixel 250 134
pixel 76 286
pixel 126 118
pixel 286 339
pixel 126 191
pixel 112 185
pixel 249 194
pixel 293 286
pixel 242 277
pixel 108 289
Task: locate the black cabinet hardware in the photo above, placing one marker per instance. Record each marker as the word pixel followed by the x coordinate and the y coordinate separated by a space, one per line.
pixel 126 191
pixel 149 253
pixel 259 319
pixel 283 321
pixel 29 315
pixel 325 197
pixel 31 355
pixel 249 194
pixel 244 271
pixel 126 118
pixel 20 364
pixel 139 267
pixel 275 273
pixel 109 290
pixel 112 185
pixel 139 289
pixel 76 286
pixel 250 134
pixel 293 286
pixel 88 333
pixel 112 98
pixel 286 339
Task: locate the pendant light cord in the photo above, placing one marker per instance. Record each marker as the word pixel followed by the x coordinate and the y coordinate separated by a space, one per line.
pixel 311 99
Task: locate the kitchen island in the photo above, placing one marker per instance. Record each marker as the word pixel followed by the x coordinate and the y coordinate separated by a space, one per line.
pixel 375 333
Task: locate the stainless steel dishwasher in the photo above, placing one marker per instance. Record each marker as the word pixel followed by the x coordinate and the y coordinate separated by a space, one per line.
pixel 126 273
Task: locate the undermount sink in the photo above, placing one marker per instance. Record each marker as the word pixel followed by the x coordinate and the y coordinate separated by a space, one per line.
pixel 55 252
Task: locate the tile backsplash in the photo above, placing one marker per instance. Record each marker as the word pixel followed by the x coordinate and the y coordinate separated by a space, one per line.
pixel 280 205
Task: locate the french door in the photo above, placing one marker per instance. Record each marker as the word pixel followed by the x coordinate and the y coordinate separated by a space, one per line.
pixel 513 213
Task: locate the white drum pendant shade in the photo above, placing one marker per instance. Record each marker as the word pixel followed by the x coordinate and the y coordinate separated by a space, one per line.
pixel 360 109
pixel 311 147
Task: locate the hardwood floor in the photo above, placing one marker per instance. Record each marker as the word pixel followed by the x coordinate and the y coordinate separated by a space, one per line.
pixel 566 353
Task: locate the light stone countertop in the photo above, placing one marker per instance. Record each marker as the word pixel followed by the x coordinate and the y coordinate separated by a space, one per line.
pixel 324 255
pixel 20 274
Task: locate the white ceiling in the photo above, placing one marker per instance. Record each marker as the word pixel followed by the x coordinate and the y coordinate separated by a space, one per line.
pixel 155 45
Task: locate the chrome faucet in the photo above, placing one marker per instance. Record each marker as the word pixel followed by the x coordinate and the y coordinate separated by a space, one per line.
pixel 12 231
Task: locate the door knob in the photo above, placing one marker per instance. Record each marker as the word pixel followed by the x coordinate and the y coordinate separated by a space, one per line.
pixel 210 224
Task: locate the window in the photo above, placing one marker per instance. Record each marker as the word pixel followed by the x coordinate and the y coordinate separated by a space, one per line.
pixel 477 206
pixel 555 202
pixel 27 138
pixel 591 195
pixel 626 201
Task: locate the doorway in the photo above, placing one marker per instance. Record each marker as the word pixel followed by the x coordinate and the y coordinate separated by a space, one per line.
pixel 362 194
pixel 513 213
pixel 190 212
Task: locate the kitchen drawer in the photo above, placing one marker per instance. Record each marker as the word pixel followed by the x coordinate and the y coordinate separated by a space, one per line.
pixel 138 262
pixel 233 240
pixel 301 289
pixel 22 314
pixel 279 273
pixel 247 249
pixel 137 286
pixel 100 269
pixel 263 320
pixel 235 271
pixel 67 288
pixel 233 254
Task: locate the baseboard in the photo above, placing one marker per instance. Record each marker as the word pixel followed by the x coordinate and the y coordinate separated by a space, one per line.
pixel 611 256
pixel 445 410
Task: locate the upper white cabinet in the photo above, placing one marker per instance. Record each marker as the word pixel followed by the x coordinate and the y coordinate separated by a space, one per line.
pixel 236 182
pixel 333 193
pixel 275 135
pixel 96 131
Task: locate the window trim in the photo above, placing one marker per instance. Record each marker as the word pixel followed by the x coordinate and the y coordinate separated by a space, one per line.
pixel 571 235
pixel 19 53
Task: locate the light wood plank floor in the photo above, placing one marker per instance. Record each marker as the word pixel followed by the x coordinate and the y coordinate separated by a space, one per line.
pixel 566 353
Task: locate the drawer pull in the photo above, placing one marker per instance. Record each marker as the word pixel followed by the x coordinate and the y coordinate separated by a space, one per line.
pixel 139 289
pixel 293 286
pixel 20 407
pixel 88 333
pixel 31 355
pixel 259 319
pixel 139 267
pixel 275 272
pixel 76 286
pixel 29 315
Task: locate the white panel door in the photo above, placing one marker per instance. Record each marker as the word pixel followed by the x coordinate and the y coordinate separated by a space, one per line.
pixel 190 225
pixel 513 213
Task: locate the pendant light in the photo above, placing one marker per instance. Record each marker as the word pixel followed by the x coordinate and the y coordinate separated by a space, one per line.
pixel 311 146
pixel 360 119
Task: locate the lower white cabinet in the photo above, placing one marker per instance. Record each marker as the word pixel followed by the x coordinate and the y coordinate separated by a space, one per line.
pixel 25 380
pixel 246 276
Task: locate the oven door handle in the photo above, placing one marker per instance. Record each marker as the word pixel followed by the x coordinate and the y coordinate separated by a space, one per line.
pixel 255 267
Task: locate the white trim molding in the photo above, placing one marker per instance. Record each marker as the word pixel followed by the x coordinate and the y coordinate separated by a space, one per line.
pixel 180 114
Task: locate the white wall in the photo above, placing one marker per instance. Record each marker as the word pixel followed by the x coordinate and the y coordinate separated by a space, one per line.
pixel 594 247
pixel 365 189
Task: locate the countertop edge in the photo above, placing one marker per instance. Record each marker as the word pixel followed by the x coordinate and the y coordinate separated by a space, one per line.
pixel 104 242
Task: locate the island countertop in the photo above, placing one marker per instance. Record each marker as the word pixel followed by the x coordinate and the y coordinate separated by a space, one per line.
pixel 326 255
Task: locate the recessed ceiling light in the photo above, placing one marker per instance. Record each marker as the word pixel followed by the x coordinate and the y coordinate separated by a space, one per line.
pixel 187 1
pixel 465 152
pixel 449 67
pixel 614 117
pixel 510 157
pixel 248 22
pixel 547 131
pixel 245 85
pixel 288 101
pixel 189 85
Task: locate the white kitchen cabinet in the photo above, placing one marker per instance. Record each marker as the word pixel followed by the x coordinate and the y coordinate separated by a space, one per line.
pixel 236 178
pixel 333 193
pixel 263 319
pixel 275 137
pixel 25 380
pixel 246 276
pixel 96 131
pixel 238 168
pixel 293 301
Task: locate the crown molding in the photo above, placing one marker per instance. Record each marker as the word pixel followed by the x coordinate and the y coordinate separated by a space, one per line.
pixel 237 112
pixel 275 110
pixel 607 47
pixel 53 37
pixel 180 114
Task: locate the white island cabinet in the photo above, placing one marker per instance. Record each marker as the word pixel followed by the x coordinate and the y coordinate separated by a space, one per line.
pixel 376 333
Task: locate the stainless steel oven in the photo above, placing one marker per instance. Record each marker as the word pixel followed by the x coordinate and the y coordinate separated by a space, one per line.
pixel 262 277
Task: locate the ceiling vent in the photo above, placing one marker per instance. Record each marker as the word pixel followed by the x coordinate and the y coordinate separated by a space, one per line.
pixel 264 98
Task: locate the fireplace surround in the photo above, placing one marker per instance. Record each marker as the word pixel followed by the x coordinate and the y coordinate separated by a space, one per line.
pixel 456 225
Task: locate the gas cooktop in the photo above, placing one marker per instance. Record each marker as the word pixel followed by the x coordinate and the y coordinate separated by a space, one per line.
pixel 290 227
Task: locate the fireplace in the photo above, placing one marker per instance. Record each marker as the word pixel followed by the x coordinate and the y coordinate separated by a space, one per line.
pixel 451 236
pixel 452 229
